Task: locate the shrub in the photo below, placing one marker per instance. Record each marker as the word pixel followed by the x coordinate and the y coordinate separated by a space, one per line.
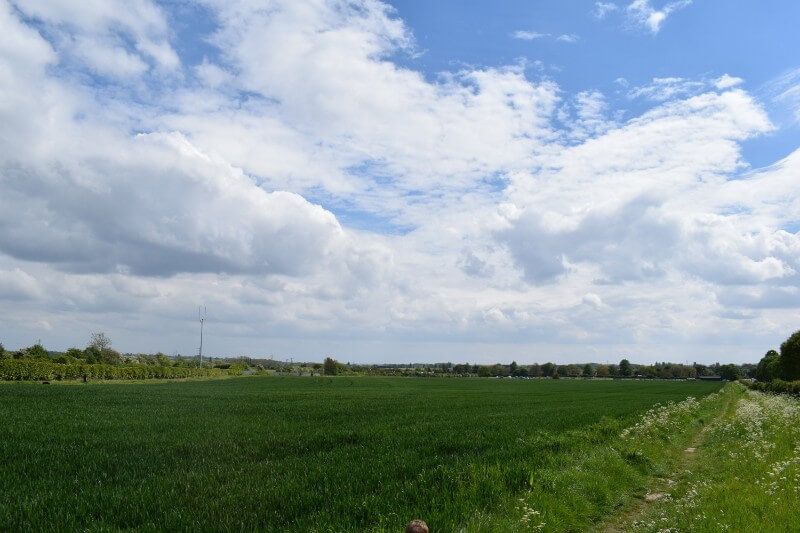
pixel 36 351
pixel 236 369
pixel 75 353
pixel 778 386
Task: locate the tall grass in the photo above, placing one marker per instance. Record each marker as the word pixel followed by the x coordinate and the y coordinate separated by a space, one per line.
pixel 745 476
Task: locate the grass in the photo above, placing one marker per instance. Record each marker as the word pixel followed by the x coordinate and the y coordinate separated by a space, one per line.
pixel 745 475
pixel 333 454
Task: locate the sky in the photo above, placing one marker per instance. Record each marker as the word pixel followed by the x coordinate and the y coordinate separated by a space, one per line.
pixel 402 182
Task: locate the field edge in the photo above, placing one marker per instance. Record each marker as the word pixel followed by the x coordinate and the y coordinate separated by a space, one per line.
pixel 599 485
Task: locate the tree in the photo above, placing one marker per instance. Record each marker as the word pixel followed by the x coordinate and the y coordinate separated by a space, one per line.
pixel 729 372
pixel 602 371
pixel 625 369
pixel 648 371
pixel 769 367
pixel 37 351
pixel 588 371
pixel 499 370
pixel 99 350
pixel 76 353
pixel 790 357
pixel 512 368
pixel 329 367
pixel 548 370
pixel 3 353
pixel 570 371
pixel 100 341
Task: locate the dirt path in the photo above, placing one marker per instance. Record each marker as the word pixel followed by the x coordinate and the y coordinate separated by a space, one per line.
pixel 661 487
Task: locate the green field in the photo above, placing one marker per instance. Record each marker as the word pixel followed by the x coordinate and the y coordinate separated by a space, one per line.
pixel 325 454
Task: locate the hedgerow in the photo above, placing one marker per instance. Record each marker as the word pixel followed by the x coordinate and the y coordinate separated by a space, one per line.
pixel 44 370
pixel 777 386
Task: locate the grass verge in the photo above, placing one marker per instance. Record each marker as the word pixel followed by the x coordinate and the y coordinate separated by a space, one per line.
pixel 746 475
pixel 608 470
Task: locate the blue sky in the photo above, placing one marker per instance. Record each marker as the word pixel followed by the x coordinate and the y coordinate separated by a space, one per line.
pixel 423 181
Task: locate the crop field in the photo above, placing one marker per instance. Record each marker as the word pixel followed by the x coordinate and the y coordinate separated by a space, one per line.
pixel 323 454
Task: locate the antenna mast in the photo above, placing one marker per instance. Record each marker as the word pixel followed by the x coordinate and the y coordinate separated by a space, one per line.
pixel 201 313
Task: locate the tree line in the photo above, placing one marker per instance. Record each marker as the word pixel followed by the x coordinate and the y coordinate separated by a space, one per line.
pixel 624 369
pixel 98 359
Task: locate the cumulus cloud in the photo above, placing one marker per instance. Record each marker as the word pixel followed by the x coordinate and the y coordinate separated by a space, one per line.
pixel 659 219
pixel 99 33
pixel 168 209
pixel 17 284
pixel 760 297
pixel 727 81
pixel 586 115
pixel 369 113
pixel 88 198
pixel 310 187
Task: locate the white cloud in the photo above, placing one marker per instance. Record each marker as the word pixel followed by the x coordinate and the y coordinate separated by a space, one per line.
pixel 212 75
pixel 726 82
pixel 98 32
pixel 643 13
pixel 586 115
pixel 784 91
pixel 162 208
pixel 17 284
pixel 568 38
pixel 656 165
pixel 109 58
pixel 483 210
pixel 662 89
pixel 364 108
pixel 528 35
pixel 603 9
pixel 593 300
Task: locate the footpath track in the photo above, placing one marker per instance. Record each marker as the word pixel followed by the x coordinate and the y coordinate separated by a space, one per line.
pixel 660 488
pixel 739 472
